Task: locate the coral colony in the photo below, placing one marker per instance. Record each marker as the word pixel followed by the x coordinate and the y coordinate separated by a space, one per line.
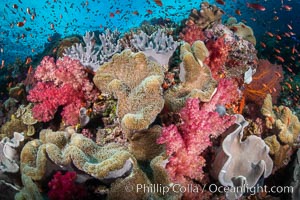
pixel 150 115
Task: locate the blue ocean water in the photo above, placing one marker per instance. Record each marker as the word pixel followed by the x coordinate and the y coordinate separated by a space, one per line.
pixel 42 19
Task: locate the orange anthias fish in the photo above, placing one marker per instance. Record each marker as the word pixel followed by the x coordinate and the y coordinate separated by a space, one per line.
pixel 20 24
pixel 287 7
pixel 220 2
pixel 158 2
pixel 256 6
pixel 238 12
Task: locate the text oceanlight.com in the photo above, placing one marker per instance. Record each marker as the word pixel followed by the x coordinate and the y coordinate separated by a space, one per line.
pixel 213 188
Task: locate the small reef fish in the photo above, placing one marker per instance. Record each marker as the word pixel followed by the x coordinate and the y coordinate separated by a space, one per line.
pixel 20 24
pixel 263 45
pixel 158 2
pixel 15 6
pixel 256 6
pixel 28 11
pixel 270 34
pixel 287 7
pixel 220 2
pixel 279 58
pixel 238 12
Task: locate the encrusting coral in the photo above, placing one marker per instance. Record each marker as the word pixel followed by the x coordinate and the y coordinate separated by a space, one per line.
pixel 196 77
pixel 66 147
pixel 241 163
pixel 283 128
pixel 136 82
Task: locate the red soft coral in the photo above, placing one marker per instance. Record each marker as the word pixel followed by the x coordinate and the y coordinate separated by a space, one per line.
pixel 218 53
pixel 192 33
pixel 64 83
pixel 63 187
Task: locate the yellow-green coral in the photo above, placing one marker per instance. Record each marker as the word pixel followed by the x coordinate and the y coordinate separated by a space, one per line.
pixel 30 190
pixel 136 82
pixel 11 126
pixel 197 81
pixel 25 114
pixel 64 148
pixel 282 121
pixel 243 31
pixel 284 129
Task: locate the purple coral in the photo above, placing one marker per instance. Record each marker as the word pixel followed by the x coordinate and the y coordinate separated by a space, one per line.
pixel 64 83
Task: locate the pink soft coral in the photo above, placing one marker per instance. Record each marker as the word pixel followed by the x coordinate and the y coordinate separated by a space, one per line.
pixel 187 141
pixel 64 83
pixel 63 187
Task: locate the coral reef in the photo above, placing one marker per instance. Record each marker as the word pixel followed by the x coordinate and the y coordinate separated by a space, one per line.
pixel 87 55
pixel 243 31
pixel 136 82
pixel 218 54
pixel 64 83
pixel 143 144
pixel 26 115
pixel 110 45
pixel 11 126
pixel 158 47
pixel 283 128
pixel 240 164
pixel 196 78
pixel 63 187
pixel 92 56
pixel 207 16
pixel 241 54
pixel 266 80
pixel 66 147
pixel 186 142
pixel 30 190
pixel 192 33
pixel 8 153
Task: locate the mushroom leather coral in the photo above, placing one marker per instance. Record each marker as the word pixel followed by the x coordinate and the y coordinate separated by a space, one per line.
pixel 242 163
pixel 86 155
pixel 136 82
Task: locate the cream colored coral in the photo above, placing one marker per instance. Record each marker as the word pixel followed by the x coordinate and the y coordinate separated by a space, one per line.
pixel 282 120
pixel 206 16
pixel 136 82
pixel 196 78
pixel 64 149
